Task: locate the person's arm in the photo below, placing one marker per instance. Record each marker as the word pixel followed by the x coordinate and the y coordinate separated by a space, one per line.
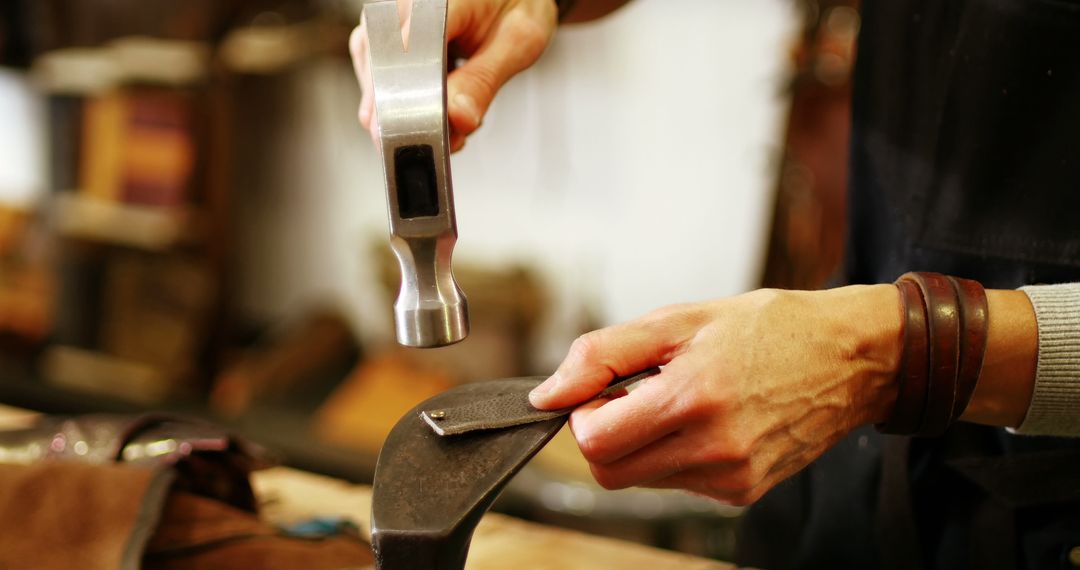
pixel 755 387
pixel 497 38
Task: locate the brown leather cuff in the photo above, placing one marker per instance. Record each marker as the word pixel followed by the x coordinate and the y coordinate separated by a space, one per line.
pixel 912 377
pixel 945 331
pixel 975 316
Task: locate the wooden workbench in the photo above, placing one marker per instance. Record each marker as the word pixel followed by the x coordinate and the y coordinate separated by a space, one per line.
pixel 500 542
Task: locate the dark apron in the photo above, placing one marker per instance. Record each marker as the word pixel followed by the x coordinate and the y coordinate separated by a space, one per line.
pixel 965 160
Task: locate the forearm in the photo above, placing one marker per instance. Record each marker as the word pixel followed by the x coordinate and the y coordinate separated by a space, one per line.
pixel 588 10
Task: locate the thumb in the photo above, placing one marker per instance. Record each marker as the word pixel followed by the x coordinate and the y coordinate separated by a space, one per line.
pixel 596 358
pixel 513 43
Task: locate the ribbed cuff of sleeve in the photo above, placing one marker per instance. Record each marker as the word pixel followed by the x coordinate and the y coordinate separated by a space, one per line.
pixel 1055 404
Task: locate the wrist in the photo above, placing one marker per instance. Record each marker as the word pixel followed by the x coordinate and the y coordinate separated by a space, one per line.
pixel 1003 393
pixel 869 316
pixel 885 336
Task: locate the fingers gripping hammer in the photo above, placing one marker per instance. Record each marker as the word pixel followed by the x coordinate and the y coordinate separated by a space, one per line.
pixel 410 102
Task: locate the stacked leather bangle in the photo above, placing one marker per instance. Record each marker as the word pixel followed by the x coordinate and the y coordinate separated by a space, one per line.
pixel 946 323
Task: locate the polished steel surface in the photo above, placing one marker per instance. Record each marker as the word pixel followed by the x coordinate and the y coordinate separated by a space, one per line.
pixel 412 137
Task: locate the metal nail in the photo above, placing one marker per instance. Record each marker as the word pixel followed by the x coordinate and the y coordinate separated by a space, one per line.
pixel 437 414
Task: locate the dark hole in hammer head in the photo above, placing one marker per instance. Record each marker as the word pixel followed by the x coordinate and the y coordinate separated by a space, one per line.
pixel 414 171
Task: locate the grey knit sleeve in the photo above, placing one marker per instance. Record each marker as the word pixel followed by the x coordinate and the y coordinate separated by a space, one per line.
pixel 1055 405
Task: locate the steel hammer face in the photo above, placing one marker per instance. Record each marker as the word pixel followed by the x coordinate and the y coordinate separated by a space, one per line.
pixel 413 139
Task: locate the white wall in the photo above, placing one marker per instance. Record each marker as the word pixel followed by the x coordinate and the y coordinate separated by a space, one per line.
pixel 633 166
pixel 22 145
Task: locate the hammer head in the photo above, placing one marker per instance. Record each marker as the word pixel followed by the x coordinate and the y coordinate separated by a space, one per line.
pixel 413 139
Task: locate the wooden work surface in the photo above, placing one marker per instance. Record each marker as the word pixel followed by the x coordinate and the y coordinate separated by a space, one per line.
pixel 500 542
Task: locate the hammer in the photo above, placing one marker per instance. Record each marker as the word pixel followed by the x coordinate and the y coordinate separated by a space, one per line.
pixel 413 140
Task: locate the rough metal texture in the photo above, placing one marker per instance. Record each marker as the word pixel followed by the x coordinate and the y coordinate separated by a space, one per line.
pixel 430 491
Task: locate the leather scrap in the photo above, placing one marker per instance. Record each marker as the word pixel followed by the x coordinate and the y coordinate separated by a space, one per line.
pixel 197 532
pixel 509 409
pixel 61 515
pixel 207 459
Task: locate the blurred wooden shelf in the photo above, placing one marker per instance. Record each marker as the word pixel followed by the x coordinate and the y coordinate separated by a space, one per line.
pixel 128 60
pixel 140 227
pixel 97 372
pixel 282 431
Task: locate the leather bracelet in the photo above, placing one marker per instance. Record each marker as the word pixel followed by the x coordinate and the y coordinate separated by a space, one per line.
pixel 912 377
pixel 975 329
pixel 564 6
pixel 943 322
pixel 946 326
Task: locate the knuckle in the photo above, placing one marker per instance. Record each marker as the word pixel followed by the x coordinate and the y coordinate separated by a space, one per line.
pixel 753 496
pixel 740 450
pixel 774 299
pixel 589 447
pixel 586 347
pixel 743 479
pixel 747 497
pixel 730 450
pixel 680 323
pixel 690 408
pixel 683 315
pixel 596 450
pixel 483 78
pixel 765 295
pixel 712 407
pixel 530 34
pixel 740 499
pixel 663 314
pixel 532 38
pixel 358 41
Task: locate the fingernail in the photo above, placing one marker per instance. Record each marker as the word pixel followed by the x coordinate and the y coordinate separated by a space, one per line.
pixel 468 105
pixel 539 394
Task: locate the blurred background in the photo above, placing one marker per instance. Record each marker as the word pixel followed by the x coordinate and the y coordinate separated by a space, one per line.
pixel 191 218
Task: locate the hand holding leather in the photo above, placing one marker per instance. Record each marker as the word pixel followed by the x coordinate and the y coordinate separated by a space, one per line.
pixel 752 388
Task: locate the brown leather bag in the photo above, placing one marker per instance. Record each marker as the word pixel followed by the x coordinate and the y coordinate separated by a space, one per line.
pixel 181 500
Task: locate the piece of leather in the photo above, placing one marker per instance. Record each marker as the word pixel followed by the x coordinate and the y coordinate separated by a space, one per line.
pixel 149 491
pixel 62 515
pixel 196 532
pixel 509 408
pixel 208 459
pixel 58 515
